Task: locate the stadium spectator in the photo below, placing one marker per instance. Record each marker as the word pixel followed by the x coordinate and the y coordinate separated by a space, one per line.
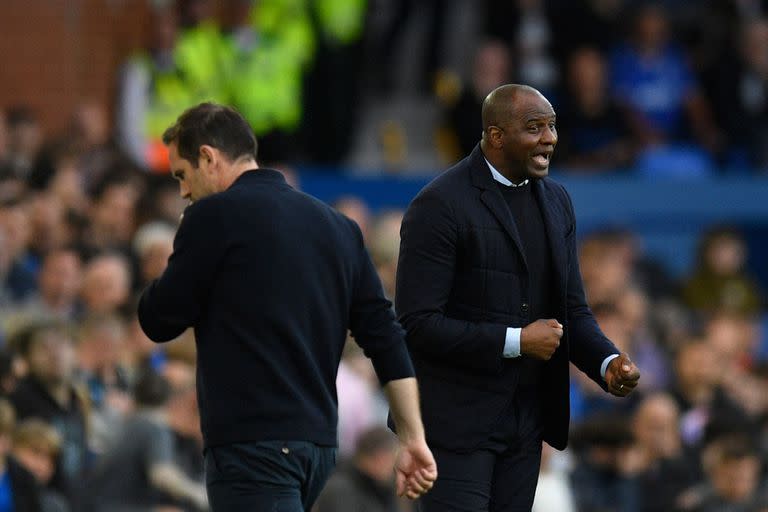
pixel 153 244
pixel 367 483
pixel 52 225
pixel 740 95
pixel 18 489
pixel 140 469
pixel 49 392
pixel 17 273
pixel 24 139
pixel 58 286
pixel 106 284
pixel 652 81
pixel 594 134
pixel 152 92
pixel 733 482
pixel 112 217
pixel 666 470
pixel 492 67
pixel 37 445
pixel 527 28
pixel 720 279
pixel 699 392
pixel 605 476
pixel 100 346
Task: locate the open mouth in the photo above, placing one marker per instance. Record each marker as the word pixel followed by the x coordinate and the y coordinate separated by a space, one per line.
pixel 542 159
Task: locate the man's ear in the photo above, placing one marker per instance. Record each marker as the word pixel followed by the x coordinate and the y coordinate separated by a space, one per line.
pixel 494 136
pixel 207 156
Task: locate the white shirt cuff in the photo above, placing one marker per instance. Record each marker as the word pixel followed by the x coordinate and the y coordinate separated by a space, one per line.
pixel 512 342
pixel 604 366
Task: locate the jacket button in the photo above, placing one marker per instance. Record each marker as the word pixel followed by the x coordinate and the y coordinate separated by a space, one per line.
pixel 524 307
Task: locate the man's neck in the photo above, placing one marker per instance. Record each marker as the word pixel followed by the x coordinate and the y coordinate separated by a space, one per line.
pixel 500 165
pixel 236 170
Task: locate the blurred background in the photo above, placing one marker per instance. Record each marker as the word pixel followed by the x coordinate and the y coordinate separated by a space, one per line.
pixel 663 125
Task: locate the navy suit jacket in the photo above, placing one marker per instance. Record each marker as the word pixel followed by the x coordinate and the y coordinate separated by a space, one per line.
pixel 462 280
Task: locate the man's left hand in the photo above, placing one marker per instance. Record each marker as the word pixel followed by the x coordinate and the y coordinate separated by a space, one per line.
pixel 621 376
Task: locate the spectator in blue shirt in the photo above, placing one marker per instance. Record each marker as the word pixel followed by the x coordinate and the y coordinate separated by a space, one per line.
pixel 651 78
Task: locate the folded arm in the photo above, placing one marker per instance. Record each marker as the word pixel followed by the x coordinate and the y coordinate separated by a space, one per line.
pixel 172 303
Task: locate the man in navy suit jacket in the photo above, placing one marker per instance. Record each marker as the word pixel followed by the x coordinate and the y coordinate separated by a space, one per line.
pixel 271 279
pixel 490 294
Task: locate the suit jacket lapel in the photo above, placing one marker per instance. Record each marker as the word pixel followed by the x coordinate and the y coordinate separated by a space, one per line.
pixel 492 198
pixel 553 223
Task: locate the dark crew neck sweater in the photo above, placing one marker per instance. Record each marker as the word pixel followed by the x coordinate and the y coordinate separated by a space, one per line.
pixel 271 279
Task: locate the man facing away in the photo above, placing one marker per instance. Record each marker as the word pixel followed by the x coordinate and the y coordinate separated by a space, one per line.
pixel 490 294
pixel 271 279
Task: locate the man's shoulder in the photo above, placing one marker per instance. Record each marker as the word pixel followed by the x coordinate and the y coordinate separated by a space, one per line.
pixel 452 182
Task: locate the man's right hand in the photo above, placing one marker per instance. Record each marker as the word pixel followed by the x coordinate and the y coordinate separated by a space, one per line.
pixel 541 338
pixel 415 469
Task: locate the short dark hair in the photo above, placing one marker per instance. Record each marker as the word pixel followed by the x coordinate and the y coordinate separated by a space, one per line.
pixel 219 126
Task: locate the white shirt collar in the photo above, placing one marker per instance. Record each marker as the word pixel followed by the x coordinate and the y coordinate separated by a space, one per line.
pixel 500 177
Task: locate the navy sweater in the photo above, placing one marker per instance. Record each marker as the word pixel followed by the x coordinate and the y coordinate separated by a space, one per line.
pixel 271 279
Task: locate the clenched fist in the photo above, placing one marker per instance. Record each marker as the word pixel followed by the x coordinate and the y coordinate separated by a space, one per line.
pixel 541 338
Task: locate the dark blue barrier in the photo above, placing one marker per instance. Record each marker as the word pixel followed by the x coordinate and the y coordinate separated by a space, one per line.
pixel 668 215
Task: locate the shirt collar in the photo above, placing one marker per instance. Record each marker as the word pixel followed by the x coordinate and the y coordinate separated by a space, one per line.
pixel 500 177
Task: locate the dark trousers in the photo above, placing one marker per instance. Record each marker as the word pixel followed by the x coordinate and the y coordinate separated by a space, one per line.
pixel 501 475
pixel 269 476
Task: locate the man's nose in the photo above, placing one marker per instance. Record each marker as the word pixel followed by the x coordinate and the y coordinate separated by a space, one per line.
pixel 549 136
pixel 184 191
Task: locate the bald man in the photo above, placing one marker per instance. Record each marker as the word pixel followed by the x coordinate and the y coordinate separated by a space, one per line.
pixel 489 291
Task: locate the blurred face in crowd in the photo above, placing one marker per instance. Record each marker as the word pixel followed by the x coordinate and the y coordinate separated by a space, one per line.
pixel 754 46
pixel 60 277
pixel 736 479
pixel 725 333
pixel 37 461
pixel 587 76
pixel 24 139
pixel 106 284
pixel 605 272
pixel 15 227
pixel 651 28
pixel 51 357
pixel 491 68
pixel 103 343
pixel 48 223
pixel 155 259
pixel 698 371
pixel 356 210
pixel 91 123
pixel 656 426
pixel 725 255
pixel 114 212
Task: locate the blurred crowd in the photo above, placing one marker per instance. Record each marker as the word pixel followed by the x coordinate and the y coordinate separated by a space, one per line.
pixel 664 88
pixel 94 416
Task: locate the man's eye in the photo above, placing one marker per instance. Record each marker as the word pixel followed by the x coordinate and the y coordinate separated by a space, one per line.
pixel 533 129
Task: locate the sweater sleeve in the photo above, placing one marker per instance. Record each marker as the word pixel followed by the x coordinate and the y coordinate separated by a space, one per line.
pixel 373 324
pixel 173 302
